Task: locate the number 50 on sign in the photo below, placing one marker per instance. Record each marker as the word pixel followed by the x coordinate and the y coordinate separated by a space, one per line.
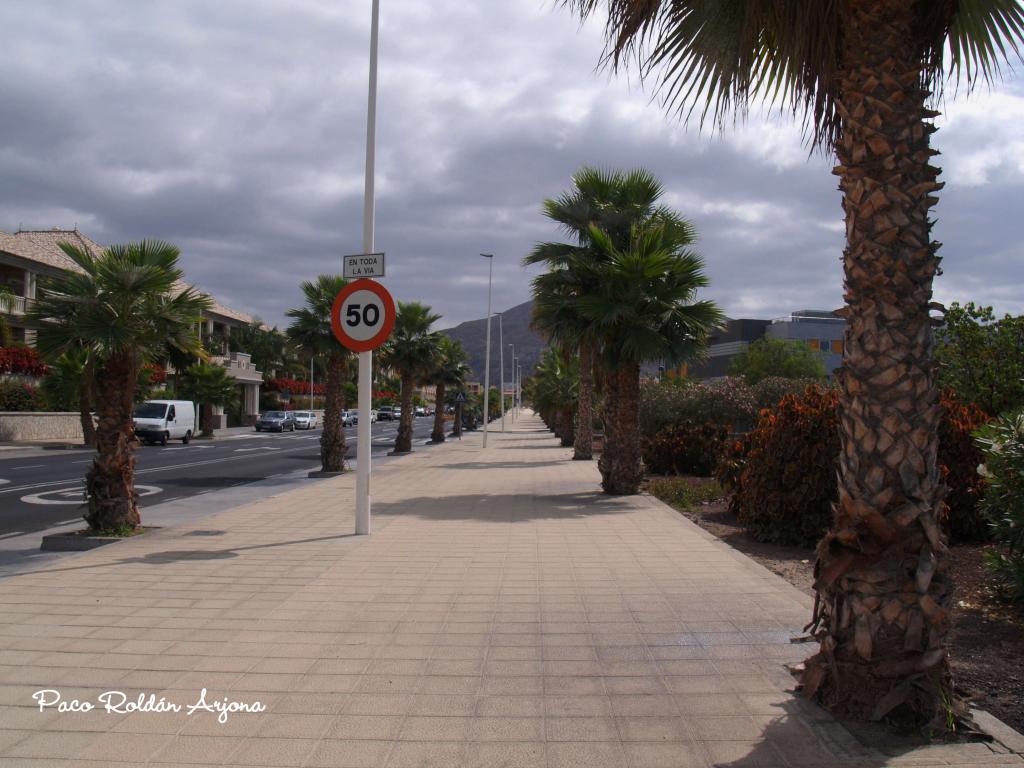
pixel 363 315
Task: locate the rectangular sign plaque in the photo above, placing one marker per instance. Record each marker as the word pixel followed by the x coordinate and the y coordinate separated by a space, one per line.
pixel 363 265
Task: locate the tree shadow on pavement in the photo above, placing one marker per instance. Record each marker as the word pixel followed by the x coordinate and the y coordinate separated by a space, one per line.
pixel 173 556
pixel 503 508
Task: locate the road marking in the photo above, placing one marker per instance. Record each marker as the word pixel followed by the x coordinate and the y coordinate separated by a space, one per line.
pixel 78 495
pixel 261 448
pixel 4 482
pixel 29 466
pixel 12 534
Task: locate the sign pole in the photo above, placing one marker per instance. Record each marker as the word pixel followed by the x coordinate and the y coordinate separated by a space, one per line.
pixel 366 358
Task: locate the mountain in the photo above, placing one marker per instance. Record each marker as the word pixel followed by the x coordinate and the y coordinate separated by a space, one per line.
pixel 515 330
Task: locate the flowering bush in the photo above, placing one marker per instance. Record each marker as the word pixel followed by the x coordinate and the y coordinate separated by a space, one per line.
pixel 293 387
pixel 15 396
pixel 728 403
pixel 24 361
pixel 155 374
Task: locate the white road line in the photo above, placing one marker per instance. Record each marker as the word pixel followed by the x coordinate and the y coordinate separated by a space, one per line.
pixel 261 448
pixel 28 466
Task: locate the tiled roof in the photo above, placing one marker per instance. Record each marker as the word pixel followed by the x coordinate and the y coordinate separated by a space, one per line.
pixel 42 247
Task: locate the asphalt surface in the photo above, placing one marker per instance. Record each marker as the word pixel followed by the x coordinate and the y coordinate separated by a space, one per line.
pixel 45 489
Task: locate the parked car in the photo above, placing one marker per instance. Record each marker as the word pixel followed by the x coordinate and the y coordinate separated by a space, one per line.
pixel 349 418
pixel 157 421
pixel 396 413
pixel 276 421
pixel 387 413
pixel 419 411
pixel 305 420
pixel 373 416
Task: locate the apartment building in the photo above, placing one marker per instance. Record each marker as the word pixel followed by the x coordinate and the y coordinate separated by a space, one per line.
pixel 26 256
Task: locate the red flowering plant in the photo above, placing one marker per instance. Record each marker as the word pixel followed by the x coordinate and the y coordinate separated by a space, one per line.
pixel 23 361
pixel 293 387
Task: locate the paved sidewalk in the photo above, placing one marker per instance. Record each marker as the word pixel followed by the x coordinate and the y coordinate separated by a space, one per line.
pixel 503 613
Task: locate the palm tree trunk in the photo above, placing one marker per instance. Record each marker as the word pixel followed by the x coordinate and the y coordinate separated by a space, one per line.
pixel 332 439
pixel 583 446
pixel 207 420
pixel 86 397
pixel 620 460
pixel 403 440
pixel 110 481
pixel 437 436
pixel 567 432
pixel 883 593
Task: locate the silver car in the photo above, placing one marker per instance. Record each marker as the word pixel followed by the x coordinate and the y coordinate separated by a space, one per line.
pixel 305 420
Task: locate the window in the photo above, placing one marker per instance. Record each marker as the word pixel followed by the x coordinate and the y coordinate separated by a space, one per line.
pixel 170 414
pixel 813 344
pixel 837 347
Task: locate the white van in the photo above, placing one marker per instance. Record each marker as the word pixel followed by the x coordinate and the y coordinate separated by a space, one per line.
pixel 157 421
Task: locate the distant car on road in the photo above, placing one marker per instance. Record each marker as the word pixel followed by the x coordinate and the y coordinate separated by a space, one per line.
pixel 305 420
pixel 349 418
pixel 420 411
pixel 387 413
pixel 157 421
pixel 276 421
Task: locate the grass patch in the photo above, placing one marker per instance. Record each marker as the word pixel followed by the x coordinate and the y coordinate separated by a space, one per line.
pixel 684 492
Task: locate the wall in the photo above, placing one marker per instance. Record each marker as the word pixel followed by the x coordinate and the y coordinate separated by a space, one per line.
pixel 16 426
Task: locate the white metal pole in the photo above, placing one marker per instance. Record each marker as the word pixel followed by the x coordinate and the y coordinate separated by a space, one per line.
pixel 513 382
pixel 487 345
pixel 501 366
pixel 366 358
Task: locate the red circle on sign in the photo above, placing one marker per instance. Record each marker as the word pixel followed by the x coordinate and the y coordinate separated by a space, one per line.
pixel 363 345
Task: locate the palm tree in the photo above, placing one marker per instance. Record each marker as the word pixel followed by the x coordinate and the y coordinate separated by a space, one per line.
pixel 644 309
pixel 209 385
pixel 613 201
pixel 450 370
pixel 862 75
pixel 311 330
pixel 122 308
pixel 410 352
pixel 555 390
pixel 70 383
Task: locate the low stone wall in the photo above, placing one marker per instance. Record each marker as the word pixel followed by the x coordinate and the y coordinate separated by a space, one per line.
pixel 19 426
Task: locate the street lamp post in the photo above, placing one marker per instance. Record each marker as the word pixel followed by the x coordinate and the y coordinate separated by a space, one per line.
pixel 513 381
pixel 501 367
pixel 487 344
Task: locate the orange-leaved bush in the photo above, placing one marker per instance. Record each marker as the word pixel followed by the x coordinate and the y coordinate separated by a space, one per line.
pixel 783 476
pixel 684 449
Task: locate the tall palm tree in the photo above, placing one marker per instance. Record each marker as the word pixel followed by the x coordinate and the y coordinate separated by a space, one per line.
pixel 644 309
pixel 613 201
pixel 311 330
pixel 862 73
pixel 411 352
pixel 450 370
pixel 122 308
pixel 209 385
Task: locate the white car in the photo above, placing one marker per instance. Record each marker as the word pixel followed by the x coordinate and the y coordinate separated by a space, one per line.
pixel 349 418
pixel 305 420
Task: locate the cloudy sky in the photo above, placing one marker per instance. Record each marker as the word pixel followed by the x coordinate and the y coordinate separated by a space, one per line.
pixel 236 131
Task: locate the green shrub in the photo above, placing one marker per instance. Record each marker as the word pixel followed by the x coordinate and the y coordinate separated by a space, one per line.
pixel 684 449
pixel 732 460
pixel 728 403
pixel 769 392
pixel 1002 443
pixel 684 492
pixel 16 396
pixel 787 484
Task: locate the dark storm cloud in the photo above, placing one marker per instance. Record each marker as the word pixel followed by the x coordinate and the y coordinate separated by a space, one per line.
pixel 236 131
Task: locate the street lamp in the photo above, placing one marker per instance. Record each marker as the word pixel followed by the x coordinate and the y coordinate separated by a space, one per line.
pixel 501 366
pixel 513 382
pixel 487 344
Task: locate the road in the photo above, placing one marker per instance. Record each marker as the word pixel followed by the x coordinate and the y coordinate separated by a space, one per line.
pixel 45 489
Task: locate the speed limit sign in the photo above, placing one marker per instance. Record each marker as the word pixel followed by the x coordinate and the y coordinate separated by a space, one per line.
pixel 363 315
